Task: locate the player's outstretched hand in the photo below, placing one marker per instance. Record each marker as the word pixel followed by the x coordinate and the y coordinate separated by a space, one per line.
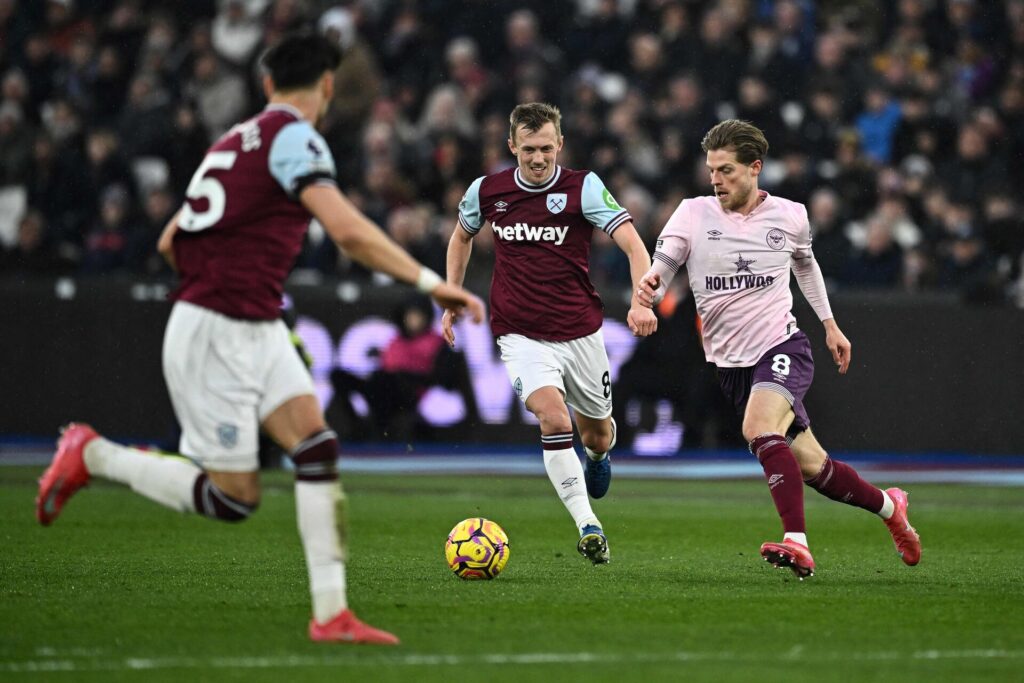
pixel 455 300
pixel 838 344
pixel 642 321
pixel 647 291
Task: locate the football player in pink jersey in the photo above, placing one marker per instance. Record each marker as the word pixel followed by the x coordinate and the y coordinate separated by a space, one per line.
pixel 228 360
pixel 739 247
pixel 545 312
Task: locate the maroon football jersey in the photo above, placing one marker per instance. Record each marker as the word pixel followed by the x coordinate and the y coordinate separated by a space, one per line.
pixel 541 284
pixel 242 224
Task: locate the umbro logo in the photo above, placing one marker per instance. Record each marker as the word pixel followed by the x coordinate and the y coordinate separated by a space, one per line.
pixel 774 480
pixel 501 206
pixel 714 235
pixel 569 483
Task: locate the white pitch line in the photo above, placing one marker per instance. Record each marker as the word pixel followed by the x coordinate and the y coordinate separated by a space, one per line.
pixel 797 654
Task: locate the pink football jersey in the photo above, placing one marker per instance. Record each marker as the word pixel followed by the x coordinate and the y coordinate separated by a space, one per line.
pixel 541 284
pixel 242 224
pixel 739 271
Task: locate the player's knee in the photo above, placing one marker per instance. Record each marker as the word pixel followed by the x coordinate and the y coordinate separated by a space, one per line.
pixel 210 501
pixel 316 458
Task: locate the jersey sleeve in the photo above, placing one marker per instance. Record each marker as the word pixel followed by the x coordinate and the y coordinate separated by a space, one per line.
pixel 599 207
pixel 299 157
pixel 673 246
pixel 471 218
pixel 802 244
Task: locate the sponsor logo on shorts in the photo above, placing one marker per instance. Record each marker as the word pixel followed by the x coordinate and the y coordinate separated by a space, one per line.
pixel 227 435
pixel 518 386
pixel 776 239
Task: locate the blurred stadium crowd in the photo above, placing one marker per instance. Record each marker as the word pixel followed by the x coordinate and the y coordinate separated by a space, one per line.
pixel 900 124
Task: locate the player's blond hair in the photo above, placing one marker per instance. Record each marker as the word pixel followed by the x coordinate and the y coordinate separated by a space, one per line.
pixel 533 116
pixel 741 137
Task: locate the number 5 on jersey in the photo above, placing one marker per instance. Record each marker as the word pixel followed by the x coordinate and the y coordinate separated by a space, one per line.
pixel 210 189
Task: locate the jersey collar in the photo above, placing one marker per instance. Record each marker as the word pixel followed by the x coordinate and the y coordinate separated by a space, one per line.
pixel 551 182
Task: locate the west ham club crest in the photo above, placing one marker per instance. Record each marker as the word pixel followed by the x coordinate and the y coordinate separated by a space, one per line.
pixel 556 202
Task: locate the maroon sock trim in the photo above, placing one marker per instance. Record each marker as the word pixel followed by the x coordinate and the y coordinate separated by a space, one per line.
pixel 316 458
pixel 556 442
pixel 211 502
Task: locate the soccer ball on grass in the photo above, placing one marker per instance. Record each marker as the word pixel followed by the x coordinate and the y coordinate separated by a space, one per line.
pixel 477 548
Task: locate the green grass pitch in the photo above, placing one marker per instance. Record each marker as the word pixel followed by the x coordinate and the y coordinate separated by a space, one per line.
pixel 121 589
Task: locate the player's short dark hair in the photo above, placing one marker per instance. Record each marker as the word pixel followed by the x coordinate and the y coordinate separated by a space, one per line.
pixel 741 137
pixel 533 116
pixel 299 60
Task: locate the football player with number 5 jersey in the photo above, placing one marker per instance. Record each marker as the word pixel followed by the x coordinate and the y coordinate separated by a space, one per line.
pixel 545 312
pixel 739 247
pixel 228 359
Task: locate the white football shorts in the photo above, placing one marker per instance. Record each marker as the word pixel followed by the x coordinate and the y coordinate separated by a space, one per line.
pixel 578 368
pixel 225 376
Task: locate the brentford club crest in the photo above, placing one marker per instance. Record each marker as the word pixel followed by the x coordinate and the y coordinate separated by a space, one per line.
pixel 556 202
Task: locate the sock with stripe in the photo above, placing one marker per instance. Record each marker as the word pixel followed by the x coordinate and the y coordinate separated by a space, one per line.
pixel 566 474
pixel 320 511
pixel 840 482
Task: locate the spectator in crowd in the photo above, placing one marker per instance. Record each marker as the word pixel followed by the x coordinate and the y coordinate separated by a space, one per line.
pixel 884 101
pixel 880 262
pixel 832 248
pixel 106 243
pixel 34 252
pixel 357 81
pixel 414 360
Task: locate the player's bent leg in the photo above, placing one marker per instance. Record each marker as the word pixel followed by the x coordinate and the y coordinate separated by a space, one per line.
pixel 561 461
pixel 833 478
pixel 841 482
pixel 170 480
pixel 598 438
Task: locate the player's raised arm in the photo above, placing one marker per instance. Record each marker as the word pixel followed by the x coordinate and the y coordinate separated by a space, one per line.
pixel 361 239
pixel 641 319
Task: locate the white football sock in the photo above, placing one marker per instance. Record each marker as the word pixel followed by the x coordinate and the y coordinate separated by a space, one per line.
pixel 888 507
pixel 315 507
pixel 566 475
pixel 166 479
pixel 796 538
